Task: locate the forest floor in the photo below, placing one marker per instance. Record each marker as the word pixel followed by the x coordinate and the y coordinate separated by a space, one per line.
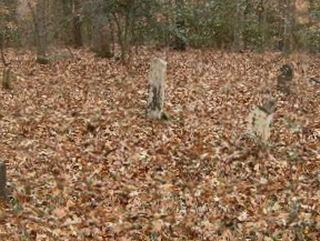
pixel 84 162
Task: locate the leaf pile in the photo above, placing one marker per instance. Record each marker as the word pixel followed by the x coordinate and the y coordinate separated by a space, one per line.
pixel 84 163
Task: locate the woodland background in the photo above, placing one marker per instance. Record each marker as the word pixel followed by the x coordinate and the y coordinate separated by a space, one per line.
pixel 239 25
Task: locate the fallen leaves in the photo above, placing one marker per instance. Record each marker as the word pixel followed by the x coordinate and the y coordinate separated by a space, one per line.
pixel 86 164
pixel 59 212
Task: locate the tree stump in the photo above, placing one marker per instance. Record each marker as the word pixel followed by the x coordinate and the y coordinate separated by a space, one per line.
pixel 3 181
pixel 157 77
pixel 285 79
pixel 6 78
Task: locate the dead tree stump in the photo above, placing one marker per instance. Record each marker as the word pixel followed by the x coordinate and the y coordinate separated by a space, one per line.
pixel 157 77
pixel 285 79
pixel 3 181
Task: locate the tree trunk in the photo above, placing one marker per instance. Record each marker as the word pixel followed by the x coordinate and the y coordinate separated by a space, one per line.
pixel 238 30
pixel 288 26
pixel 41 31
pixel 76 24
pixel 262 17
pixel 156 89
pixel 102 36
pixel 179 38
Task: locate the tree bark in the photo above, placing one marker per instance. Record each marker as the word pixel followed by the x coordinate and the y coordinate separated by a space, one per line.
pixel 102 36
pixel 262 17
pixel 41 31
pixel 180 38
pixel 76 25
pixel 238 30
pixel 288 25
pixel 39 20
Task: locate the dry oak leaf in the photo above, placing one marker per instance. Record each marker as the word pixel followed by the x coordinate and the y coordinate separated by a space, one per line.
pixel 59 212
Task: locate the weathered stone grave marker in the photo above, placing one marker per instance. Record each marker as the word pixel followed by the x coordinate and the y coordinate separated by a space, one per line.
pixel 260 120
pixel 284 80
pixel 157 77
pixel 6 78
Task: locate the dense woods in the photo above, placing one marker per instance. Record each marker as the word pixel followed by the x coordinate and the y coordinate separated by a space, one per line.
pixel 239 25
pixel 170 120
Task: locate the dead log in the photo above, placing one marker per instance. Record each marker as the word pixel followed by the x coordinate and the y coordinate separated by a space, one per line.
pixel 157 77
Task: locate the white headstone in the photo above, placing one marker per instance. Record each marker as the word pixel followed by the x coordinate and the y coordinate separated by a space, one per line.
pixel 157 77
pixel 259 124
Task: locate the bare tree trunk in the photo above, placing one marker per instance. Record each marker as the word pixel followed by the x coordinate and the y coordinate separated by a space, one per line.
pixel 289 25
pixel 40 30
pixel 102 36
pixel 238 30
pixel 122 23
pixel 76 24
pixel 302 19
pixel 124 20
pixel 262 15
pixel 112 32
pixel 179 38
pixel 6 74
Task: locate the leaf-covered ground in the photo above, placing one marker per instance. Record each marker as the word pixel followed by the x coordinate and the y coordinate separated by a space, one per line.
pixel 84 163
